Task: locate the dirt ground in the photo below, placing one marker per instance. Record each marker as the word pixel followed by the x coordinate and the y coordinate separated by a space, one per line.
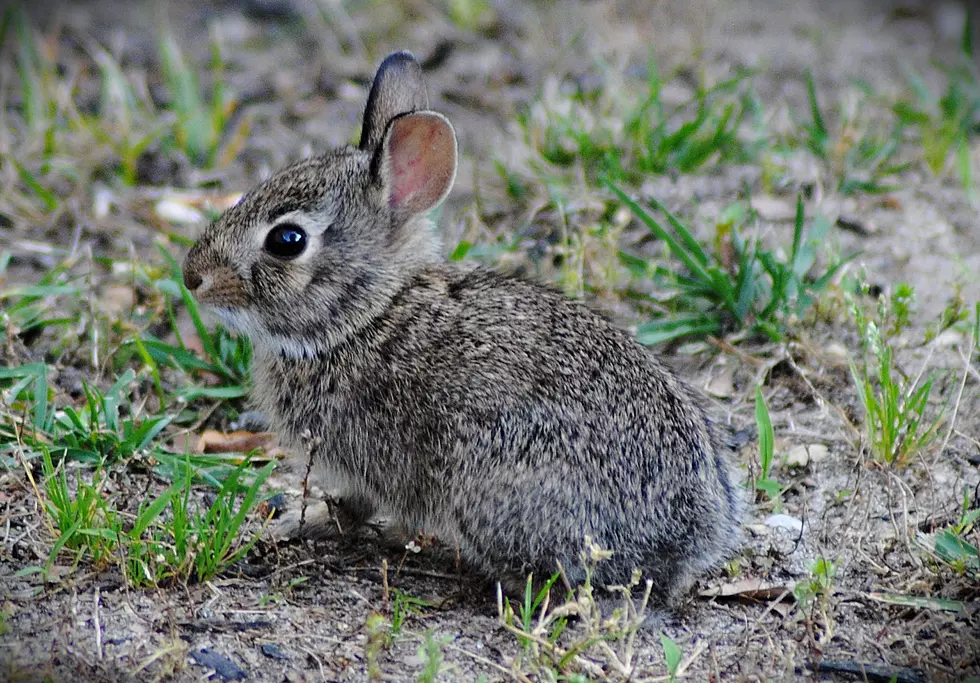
pixel 299 611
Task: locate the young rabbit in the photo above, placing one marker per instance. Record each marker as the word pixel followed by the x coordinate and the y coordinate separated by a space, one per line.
pixel 493 413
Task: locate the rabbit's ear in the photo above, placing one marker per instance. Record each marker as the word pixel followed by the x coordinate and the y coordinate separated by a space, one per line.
pixel 398 89
pixel 416 163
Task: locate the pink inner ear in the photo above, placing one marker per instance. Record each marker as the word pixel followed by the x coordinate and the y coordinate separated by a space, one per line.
pixel 422 156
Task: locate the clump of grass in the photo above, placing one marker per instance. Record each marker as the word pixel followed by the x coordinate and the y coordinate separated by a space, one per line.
pixel 897 426
pixel 613 131
pixel 947 122
pixel 432 657
pixel 862 151
pixel 738 287
pixel 108 429
pixel 50 134
pixel 125 121
pixel 200 120
pixel 98 433
pixel 152 548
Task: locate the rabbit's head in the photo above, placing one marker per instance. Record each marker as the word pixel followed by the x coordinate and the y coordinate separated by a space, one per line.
pixel 319 248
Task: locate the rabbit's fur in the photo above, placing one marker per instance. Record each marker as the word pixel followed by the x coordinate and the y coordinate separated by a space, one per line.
pixel 493 413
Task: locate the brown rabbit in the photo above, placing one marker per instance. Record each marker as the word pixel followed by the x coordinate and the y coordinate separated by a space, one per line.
pixel 491 412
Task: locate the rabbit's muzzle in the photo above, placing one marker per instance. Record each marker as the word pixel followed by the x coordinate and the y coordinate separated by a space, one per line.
pixel 213 284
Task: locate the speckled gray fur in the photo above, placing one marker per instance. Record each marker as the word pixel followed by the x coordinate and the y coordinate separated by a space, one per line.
pixel 491 412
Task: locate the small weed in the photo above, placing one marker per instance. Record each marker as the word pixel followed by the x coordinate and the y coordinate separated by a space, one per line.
pixel 431 654
pixel 953 313
pixel 738 286
pixel 602 644
pixel 952 546
pixel 378 639
pixel 79 514
pixel 404 606
pixel 608 133
pixel 123 112
pixel 894 406
pixel 813 595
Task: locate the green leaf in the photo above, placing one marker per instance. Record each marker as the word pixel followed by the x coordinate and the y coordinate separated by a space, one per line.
pixel 766 435
pixel 672 654
pixel 919 602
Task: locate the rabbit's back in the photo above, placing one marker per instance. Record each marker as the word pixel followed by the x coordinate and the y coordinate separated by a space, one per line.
pixel 511 422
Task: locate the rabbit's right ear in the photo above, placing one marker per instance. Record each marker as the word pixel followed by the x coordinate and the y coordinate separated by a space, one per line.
pixel 398 89
pixel 415 165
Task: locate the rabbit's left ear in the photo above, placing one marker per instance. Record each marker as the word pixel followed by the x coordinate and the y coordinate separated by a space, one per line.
pixel 416 163
pixel 398 88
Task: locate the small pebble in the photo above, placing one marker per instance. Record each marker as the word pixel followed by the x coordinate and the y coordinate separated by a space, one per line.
pixel 785 522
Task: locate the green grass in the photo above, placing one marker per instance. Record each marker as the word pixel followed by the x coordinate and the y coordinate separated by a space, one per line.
pixel 627 132
pixel 863 153
pixel 953 546
pixel 200 118
pixel 740 288
pixel 899 423
pixel 764 484
pixel 168 539
pixel 947 122
pixel 52 132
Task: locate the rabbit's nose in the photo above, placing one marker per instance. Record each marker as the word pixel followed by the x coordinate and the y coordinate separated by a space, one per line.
pixel 192 280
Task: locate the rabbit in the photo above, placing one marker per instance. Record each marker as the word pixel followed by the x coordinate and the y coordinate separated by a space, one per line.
pixel 486 410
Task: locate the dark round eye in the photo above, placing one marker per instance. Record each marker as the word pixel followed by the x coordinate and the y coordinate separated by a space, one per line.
pixel 286 241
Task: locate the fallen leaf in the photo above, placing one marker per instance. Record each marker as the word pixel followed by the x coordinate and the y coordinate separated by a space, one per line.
pixel 213 441
pixel 751 589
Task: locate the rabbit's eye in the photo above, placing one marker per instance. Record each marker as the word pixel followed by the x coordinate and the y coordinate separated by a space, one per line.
pixel 286 241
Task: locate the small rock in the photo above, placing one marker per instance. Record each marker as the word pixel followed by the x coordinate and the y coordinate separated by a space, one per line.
pixel 774 208
pixel 273 651
pixel 836 351
pixel 859 226
pixel 801 456
pixel 949 338
pixel 785 522
pixel 722 385
pixel 222 666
